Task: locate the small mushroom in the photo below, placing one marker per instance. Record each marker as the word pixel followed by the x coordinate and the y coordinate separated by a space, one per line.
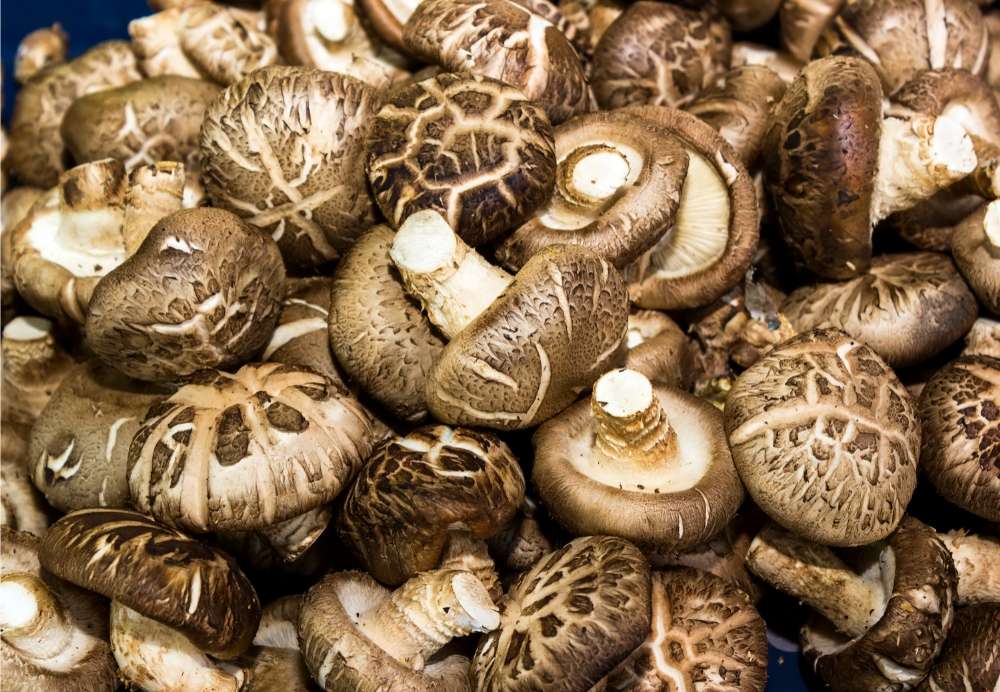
pixel 803 22
pixel 975 245
pixel 356 634
pixel 39 50
pixel 283 148
pixel 960 415
pixel 825 438
pixel 704 633
pixel 470 147
pixel 522 348
pixel 977 563
pixel 54 634
pixel 203 290
pixel 33 366
pixel 301 338
pixel 658 349
pixel 569 620
pixel 970 659
pixel 659 54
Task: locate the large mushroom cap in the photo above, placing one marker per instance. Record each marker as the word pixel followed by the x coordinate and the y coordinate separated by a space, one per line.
pixel 970 659
pixel 230 452
pixel 826 438
pixel 157 571
pixel 975 246
pixel 570 620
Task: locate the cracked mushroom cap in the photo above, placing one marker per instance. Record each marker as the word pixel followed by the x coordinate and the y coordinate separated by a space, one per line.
pixel 706 634
pixel 659 54
pixel 284 149
pixel 301 338
pixel 648 464
pixel 960 414
pixel 54 634
pixel 825 438
pixel 158 572
pixel 505 41
pixel 970 659
pixel 617 190
pixel 203 290
pixel 247 450
pixel 975 245
pixel 470 147
pixel 659 349
pixel 569 620
pixel 716 227
pixel 416 491
pixel 907 307
pixel 40 50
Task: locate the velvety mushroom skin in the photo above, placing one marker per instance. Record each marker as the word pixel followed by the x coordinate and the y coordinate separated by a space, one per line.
pixel 284 149
pixel 970 659
pixel 960 414
pixel 826 438
pixel 203 290
pixel 505 41
pixel 470 147
pixel 906 307
pixel 659 54
pixel 244 451
pixel 975 245
pixel 172 578
pixel 569 620
pixel 301 337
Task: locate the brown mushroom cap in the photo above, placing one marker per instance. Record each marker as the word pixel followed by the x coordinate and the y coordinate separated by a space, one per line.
pixel 470 147
pixel 301 337
pixel 825 438
pixel 243 451
pixel 203 290
pixel 415 491
pixel 157 571
pixel 705 634
pixel 747 15
pixel 975 245
pixel 284 149
pixel 387 18
pixel 956 93
pixel 802 23
pixel 970 659
pixel 658 348
pixel 569 620
pixel 960 413
pixel 505 41
pixel 906 307
pixel 659 54
pixel 39 50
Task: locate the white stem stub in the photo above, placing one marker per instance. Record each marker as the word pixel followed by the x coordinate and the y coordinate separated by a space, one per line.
pixel 623 393
pixel 18 605
pixel 424 243
pixel 27 329
pixel 601 174
pixel 475 600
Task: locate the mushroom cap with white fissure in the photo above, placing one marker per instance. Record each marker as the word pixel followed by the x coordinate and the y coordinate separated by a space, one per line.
pixel 970 659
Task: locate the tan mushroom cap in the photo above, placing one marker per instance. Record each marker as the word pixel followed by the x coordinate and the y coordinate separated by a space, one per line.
pixel 825 438
pixel 416 492
pixel 54 634
pixel 571 618
pixel 505 41
pixel 659 349
pixel 975 246
pixel 301 338
pixel 158 572
pixel 960 414
pixel 907 307
pixel 970 659
pixel 203 290
pixel 617 190
pixel 40 50
pixel 470 147
pixel 284 149
pixel 705 633
pixel 802 22
pixel 659 54
pixel 244 451
pixel 715 231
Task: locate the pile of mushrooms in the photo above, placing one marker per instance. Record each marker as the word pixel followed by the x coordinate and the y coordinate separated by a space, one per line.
pixel 454 345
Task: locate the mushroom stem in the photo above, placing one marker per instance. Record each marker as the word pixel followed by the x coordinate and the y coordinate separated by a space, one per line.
pixel 30 350
pixel 451 280
pixel 467 554
pixel 815 575
pixel 592 177
pixel 154 192
pixel 977 561
pixel 917 158
pixel 427 612
pixel 991 225
pixel 31 619
pixel 631 425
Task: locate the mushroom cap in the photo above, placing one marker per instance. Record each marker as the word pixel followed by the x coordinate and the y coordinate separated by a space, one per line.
pixel 569 620
pixel 552 332
pixel 470 147
pixel 157 571
pixel 659 349
pixel 386 19
pixel 79 446
pixel 300 338
pixel 970 659
pixel 956 93
pixel 659 54
pixel 415 490
pixel 225 43
pixel 85 663
pixel 907 307
pixel 505 41
pixel 618 186
pixel 244 451
pixel 983 339
pixel 284 149
pixel 978 257
pixel 747 15
pixel 203 290
pixel 672 507
pixel 820 159
pixel 900 648
pixel 40 49
pixel 802 22
pixel 825 438
pixel 717 226
pixel 21 506
pixel 960 414
pixel 378 333
pixel 705 634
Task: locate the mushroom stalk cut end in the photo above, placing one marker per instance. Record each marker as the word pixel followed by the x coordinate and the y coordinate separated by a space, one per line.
pixel 631 424
pixel 31 620
pixel 595 175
